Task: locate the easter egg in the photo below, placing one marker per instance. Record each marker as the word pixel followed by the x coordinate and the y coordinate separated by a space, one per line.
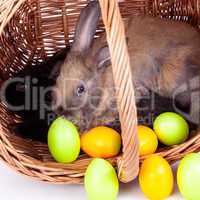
pixel 101 181
pixel 188 176
pixel 156 178
pixel 101 142
pixel 148 141
pixel 171 128
pixel 63 141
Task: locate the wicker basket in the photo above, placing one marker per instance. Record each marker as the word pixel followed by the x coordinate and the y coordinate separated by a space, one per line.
pixel 33 30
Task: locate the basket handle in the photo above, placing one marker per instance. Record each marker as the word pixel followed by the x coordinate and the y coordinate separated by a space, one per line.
pixel 128 164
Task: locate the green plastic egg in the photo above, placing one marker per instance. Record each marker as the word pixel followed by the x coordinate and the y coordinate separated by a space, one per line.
pixel 63 141
pixel 171 128
pixel 101 182
pixel 188 177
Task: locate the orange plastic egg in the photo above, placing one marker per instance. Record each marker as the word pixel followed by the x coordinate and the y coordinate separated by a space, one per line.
pixel 156 178
pixel 148 140
pixel 101 142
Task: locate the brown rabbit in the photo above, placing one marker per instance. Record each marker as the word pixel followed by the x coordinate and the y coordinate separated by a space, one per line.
pixel 165 57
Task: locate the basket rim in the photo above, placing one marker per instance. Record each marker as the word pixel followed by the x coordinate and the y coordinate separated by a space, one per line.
pixel 26 165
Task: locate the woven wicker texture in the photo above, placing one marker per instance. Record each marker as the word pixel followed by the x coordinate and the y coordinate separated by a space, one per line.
pixel 33 30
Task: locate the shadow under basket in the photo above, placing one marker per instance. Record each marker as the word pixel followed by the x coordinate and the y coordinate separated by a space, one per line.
pixel 34 30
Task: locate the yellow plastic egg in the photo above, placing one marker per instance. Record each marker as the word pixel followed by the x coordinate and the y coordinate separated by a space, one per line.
pixel 156 178
pixel 148 141
pixel 101 142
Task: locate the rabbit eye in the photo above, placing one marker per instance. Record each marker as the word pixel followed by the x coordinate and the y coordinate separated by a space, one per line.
pixel 80 90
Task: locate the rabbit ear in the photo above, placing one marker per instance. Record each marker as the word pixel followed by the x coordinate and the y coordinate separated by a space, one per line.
pixel 86 27
pixel 102 58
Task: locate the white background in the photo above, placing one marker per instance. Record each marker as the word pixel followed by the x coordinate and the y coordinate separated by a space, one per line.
pixel 17 187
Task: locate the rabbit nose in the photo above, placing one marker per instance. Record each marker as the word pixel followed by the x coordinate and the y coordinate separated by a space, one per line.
pixel 60 110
